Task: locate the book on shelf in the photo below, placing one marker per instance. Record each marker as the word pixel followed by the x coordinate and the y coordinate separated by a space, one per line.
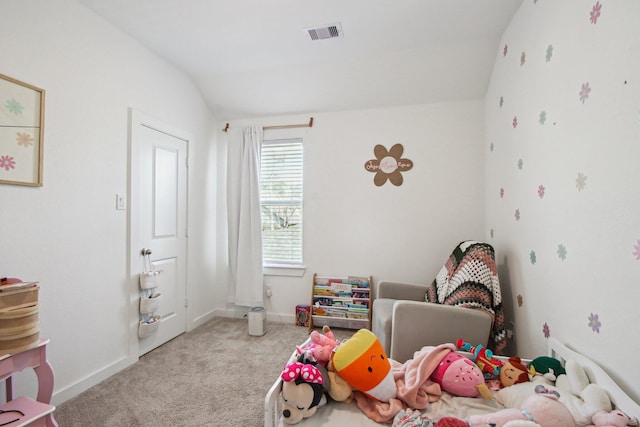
pixel 361 282
pixel 360 293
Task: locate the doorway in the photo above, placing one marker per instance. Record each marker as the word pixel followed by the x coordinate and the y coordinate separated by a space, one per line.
pixel 158 225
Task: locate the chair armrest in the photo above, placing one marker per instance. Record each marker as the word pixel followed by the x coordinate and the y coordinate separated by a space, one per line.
pixel 417 324
pixel 401 291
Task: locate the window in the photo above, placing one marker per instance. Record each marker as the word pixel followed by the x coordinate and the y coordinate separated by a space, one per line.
pixel 281 201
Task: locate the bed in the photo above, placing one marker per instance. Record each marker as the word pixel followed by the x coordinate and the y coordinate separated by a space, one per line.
pixel 348 414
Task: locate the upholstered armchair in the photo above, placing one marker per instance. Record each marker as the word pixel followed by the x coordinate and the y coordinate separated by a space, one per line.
pixel 404 322
pixel 463 301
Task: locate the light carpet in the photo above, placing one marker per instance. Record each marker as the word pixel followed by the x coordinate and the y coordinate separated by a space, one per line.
pixel 215 375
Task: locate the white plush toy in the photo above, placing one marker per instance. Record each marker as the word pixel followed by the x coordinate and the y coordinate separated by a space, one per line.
pixel 521 423
pixel 581 398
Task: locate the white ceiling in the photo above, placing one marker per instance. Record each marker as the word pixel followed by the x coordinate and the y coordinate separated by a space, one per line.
pixel 254 58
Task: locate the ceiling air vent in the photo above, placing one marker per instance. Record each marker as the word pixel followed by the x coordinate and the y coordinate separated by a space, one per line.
pixel 327 32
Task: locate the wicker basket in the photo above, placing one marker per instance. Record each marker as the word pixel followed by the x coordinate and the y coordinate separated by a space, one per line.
pixel 19 328
pixel 19 297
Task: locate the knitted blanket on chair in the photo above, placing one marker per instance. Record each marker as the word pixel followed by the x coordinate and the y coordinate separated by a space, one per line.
pixel 469 279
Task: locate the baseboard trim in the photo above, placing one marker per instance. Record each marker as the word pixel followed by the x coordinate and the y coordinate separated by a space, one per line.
pixel 201 320
pixel 71 391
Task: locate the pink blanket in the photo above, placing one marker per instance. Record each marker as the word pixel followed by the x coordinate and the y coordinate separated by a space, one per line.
pixel 415 389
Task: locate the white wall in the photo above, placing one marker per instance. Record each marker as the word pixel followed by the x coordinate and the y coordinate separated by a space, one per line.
pixel 405 233
pixel 67 234
pixel 597 224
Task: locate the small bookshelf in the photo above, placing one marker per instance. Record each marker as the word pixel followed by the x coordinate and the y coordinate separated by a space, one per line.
pixel 341 302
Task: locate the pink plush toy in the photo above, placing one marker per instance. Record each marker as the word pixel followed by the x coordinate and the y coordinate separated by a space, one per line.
pixel 459 376
pixel 610 419
pixel 323 345
pixel 544 409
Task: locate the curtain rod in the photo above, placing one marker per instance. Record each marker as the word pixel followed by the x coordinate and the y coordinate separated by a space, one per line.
pixel 304 125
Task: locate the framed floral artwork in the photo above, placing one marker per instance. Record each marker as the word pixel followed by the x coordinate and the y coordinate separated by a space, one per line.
pixel 21 132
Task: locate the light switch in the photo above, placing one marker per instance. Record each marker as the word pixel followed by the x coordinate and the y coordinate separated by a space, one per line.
pixel 121 202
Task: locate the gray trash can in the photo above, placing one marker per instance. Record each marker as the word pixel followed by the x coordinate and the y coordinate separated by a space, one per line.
pixel 257 321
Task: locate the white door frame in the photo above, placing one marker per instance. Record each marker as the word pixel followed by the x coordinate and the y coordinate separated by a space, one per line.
pixel 137 118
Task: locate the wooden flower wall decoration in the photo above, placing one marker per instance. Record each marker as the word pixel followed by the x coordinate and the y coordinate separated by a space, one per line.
pixel 388 165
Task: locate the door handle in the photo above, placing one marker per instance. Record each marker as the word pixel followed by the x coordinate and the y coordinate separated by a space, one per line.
pixel 145 252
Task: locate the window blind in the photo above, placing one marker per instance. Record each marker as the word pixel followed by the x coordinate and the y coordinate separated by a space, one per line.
pixel 281 201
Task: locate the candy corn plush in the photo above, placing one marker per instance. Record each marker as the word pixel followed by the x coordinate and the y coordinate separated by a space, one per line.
pixel 362 362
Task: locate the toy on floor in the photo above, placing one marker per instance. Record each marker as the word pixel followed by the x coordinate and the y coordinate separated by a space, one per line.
pixel 513 372
pixel 362 362
pixel 482 357
pixel 303 391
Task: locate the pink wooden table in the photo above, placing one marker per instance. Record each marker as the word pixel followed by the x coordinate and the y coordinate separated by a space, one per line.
pixel 40 411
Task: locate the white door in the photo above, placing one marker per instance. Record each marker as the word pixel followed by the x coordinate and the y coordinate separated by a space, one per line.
pixel 158 208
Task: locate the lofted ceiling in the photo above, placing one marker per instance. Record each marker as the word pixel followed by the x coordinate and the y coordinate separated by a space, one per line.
pixel 255 57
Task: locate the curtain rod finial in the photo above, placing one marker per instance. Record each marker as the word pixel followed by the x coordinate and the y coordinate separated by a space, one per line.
pixel 311 122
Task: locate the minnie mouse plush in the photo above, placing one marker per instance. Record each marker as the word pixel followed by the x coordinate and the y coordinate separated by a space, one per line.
pixel 302 391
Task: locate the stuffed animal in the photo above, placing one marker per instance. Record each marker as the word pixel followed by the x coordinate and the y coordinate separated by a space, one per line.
pixel 483 357
pixel 581 398
pixel 543 409
pixel 548 367
pixel 339 389
pixel 362 362
pixel 459 376
pixel 302 391
pixel 513 372
pixel 322 346
pixel 610 419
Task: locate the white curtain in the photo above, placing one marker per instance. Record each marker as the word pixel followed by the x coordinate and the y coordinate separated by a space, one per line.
pixel 243 217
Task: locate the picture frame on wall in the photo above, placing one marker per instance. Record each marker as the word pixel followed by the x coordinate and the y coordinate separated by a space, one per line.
pixel 21 132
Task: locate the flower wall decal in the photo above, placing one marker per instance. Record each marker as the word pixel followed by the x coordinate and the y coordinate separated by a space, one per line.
pixel 594 323
pixel 562 252
pixel 636 250
pixel 388 165
pixel 546 330
pixel 585 89
pixel 549 53
pixel 543 117
pixel 581 181
pixel 595 13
